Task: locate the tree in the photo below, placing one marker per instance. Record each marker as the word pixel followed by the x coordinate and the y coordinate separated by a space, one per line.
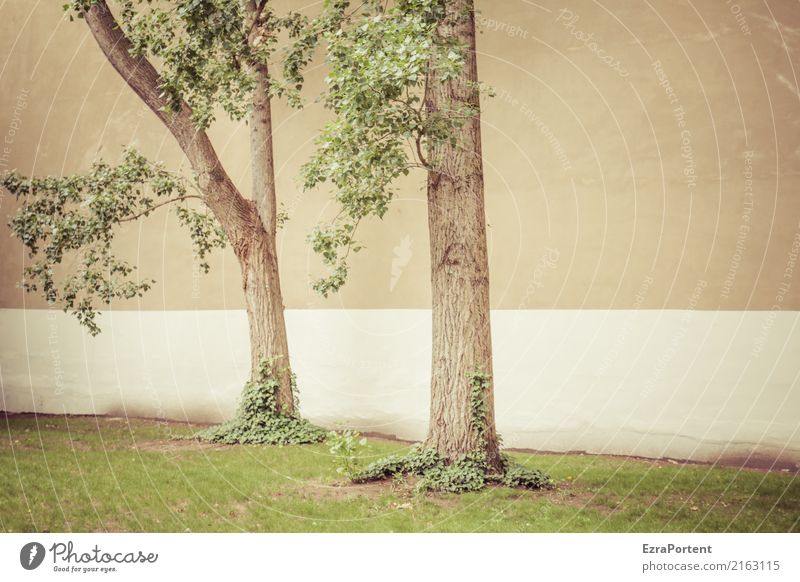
pixel 212 54
pixel 404 89
pixel 462 342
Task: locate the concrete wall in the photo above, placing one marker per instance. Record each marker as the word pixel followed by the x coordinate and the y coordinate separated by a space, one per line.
pixel 698 385
pixel 642 174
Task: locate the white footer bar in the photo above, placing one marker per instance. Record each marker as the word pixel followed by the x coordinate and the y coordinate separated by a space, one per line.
pixel 382 557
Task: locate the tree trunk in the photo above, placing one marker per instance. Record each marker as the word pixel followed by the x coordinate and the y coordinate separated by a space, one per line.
pixel 462 342
pixel 262 292
pixel 262 285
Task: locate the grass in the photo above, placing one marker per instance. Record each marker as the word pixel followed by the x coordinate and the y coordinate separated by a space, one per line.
pixel 84 474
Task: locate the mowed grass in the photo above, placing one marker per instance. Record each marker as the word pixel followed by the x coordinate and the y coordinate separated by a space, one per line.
pixel 84 474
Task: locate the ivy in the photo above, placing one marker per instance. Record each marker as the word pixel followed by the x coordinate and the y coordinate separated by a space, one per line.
pixel 468 473
pixel 73 220
pixel 460 476
pixel 418 460
pixel 479 385
pixel 259 419
pixel 515 475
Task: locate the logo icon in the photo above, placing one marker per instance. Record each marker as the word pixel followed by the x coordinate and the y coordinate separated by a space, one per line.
pixel 402 255
pixel 31 555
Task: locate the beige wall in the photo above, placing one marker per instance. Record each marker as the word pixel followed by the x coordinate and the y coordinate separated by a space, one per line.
pixel 652 201
pixel 588 202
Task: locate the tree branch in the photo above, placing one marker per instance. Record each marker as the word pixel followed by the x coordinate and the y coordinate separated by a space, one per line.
pixel 261 153
pixel 219 192
pixel 418 142
pixel 159 205
pixel 257 9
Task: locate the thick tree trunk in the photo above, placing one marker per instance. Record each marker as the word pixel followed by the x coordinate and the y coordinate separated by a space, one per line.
pixel 261 284
pixel 249 225
pixel 462 341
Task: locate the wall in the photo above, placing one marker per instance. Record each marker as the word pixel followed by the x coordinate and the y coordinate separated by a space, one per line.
pixel 698 385
pixel 641 168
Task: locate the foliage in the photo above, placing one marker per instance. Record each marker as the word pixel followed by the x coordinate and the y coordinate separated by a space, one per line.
pixel 259 419
pixel 471 472
pixel 460 476
pixel 515 475
pixel 379 61
pixel 416 461
pixel 205 231
pixel 479 385
pixel 77 217
pixel 208 49
pixel 344 446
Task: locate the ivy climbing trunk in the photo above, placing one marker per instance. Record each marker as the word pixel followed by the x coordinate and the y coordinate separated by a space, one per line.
pixel 462 344
pixel 249 225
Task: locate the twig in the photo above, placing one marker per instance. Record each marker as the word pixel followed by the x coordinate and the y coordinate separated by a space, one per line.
pixel 159 205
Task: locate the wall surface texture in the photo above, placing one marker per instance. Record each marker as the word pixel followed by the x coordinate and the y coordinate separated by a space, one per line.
pixel 642 169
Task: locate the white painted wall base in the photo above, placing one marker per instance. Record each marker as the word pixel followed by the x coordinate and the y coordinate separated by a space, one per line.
pixel 694 385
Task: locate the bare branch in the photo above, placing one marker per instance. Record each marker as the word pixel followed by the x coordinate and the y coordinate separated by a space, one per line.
pixel 159 205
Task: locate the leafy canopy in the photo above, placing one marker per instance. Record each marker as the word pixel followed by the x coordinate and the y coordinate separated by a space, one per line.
pixel 379 61
pixel 77 218
pixel 207 50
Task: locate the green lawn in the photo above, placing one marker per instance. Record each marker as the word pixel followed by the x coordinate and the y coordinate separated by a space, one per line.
pixel 102 474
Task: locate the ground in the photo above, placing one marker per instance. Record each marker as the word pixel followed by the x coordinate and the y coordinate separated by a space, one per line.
pixel 84 474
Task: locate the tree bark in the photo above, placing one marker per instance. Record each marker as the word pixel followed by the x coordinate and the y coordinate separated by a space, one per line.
pixel 249 225
pixel 262 286
pixel 459 260
pixel 260 281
